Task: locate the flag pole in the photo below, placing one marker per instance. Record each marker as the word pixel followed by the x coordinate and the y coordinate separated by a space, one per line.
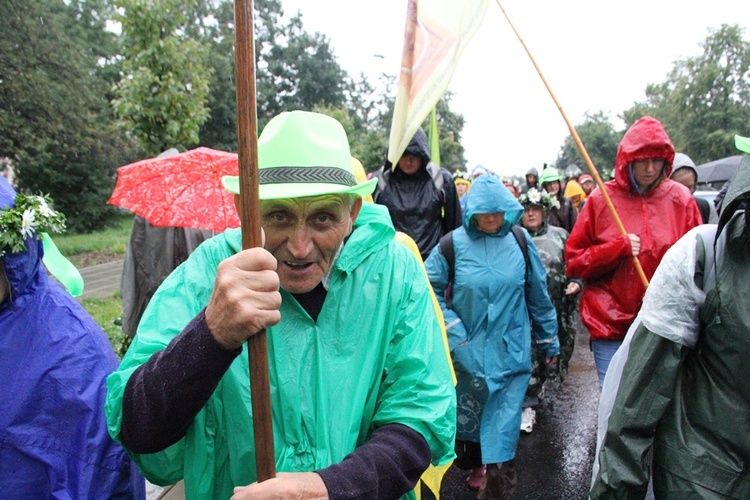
pixel 247 151
pixel 581 149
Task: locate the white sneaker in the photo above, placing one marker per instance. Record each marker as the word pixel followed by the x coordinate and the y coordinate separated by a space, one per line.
pixel 528 419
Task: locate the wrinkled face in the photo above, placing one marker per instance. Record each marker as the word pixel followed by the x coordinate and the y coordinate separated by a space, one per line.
pixel 552 187
pixel 686 177
pixel 533 216
pixel 647 172
pixel 588 186
pixel 304 235
pixel 489 223
pixel 410 164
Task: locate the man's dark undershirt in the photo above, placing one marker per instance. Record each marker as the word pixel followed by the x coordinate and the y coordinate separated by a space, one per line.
pixel 163 396
pixel 312 301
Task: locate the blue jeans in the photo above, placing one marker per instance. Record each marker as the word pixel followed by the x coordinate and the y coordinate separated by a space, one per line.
pixel 603 352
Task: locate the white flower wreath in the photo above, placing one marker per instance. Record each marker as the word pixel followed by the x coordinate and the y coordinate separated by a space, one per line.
pixel 31 217
pixel 536 197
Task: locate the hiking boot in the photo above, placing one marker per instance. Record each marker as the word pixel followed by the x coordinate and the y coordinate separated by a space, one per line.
pixel 474 481
pixel 499 482
pixel 528 419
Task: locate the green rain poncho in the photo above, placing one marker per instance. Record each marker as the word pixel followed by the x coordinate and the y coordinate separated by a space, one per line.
pixel 374 357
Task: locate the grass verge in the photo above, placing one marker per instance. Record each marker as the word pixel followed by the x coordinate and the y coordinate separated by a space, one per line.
pixel 107 313
pixel 97 247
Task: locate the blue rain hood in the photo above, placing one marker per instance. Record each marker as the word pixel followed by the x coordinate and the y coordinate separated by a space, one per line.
pixel 54 360
pixel 488 195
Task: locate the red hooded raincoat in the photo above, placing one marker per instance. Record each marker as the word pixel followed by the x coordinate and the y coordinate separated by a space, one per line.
pixel 602 257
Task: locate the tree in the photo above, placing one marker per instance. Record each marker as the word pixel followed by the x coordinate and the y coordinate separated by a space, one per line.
pixel 450 125
pixel 220 130
pixel 161 98
pixel 705 100
pixel 600 139
pixel 299 72
pixel 55 120
pixel 294 69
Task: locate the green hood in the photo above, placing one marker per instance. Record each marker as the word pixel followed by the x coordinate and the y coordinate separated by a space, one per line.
pixel 739 187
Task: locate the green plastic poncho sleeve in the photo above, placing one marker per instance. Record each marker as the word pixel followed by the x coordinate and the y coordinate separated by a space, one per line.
pixel 180 298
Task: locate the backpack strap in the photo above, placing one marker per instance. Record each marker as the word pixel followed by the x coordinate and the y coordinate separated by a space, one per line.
pixel 521 239
pixel 705 270
pixel 446 248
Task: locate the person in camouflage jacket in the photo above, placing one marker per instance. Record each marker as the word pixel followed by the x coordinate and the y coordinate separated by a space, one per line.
pixel 550 242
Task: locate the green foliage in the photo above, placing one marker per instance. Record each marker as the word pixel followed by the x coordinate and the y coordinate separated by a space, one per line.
pixel 161 98
pixel 55 61
pixel 600 139
pixel 450 125
pixel 107 313
pixel 112 240
pixel 64 77
pixel 294 69
pixel 705 100
pixel 220 130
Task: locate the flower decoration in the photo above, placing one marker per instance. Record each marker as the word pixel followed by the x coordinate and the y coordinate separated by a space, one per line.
pixel 31 217
pixel 535 197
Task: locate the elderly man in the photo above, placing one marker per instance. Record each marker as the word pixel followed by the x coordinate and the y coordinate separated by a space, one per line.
pixel 361 391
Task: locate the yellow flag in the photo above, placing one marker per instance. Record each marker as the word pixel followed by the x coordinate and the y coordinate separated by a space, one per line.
pixel 437 31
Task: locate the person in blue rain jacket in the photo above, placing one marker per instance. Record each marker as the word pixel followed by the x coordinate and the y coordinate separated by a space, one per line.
pixel 54 362
pixel 494 296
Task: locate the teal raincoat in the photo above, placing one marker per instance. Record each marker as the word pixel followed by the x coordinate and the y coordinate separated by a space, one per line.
pixel 488 326
pixel 374 357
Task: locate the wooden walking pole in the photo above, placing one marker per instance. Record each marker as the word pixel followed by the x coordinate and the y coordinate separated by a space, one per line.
pixel 247 150
pixel 581 148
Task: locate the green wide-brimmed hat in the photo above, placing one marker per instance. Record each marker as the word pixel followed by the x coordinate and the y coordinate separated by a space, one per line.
pixel 303 154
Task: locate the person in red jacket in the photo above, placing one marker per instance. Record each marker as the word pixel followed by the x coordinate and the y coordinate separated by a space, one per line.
pixel 655 211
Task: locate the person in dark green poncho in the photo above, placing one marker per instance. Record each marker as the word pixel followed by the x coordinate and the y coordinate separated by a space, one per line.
pixel 676 401
pixel 361 391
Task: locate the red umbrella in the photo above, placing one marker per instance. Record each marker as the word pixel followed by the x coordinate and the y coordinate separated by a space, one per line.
pixel 183 190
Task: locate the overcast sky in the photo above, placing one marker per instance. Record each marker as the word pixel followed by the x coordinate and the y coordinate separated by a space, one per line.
pixel 595 55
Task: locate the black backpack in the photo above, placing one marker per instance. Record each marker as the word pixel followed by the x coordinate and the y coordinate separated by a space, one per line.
pixel 446 248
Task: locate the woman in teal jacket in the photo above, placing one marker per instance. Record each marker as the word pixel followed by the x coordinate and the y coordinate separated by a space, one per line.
pixel 494 295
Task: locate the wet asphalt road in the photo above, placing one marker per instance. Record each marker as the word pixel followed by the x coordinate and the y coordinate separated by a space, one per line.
pixel 555 460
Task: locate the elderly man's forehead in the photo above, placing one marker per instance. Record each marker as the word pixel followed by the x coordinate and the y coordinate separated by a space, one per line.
pixel 331 201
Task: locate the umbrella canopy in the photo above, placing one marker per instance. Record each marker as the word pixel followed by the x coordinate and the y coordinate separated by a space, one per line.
pixel 718 170
pixel 183 190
